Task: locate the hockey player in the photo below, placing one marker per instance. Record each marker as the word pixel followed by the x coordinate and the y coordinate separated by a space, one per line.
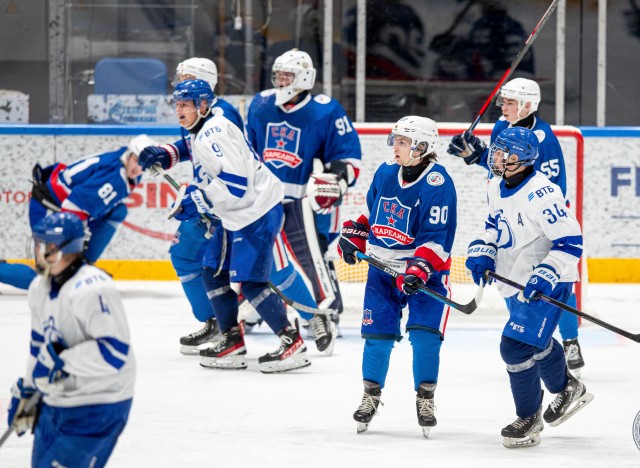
pixel 93 188
pixel 532 238
pixel 409 222
pixel 519 100
pixel 190 240
pixel 81 362
pixel 232 184
pixel 289 127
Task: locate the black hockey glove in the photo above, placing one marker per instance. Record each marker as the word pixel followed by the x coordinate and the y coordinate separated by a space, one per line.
pixel 468 147
pixel 353 238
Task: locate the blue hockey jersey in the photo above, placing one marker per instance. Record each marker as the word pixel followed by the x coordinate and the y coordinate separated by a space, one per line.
pixel 412 219
pixel 288 141
pixel 91 187
pixel 550 159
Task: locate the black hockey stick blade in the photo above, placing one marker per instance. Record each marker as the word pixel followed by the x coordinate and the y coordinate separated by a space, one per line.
pixel 31 403
pixel 568 308
pixel 464 308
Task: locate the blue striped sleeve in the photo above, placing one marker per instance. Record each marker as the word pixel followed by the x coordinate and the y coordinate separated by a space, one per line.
pixel 113 351
pixel 571 245
pixel 235 184
pixel 36 340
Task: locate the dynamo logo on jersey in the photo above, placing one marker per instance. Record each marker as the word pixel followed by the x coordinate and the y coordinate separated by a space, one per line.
pixel 506 238
pixel 281 146
pixel 391 222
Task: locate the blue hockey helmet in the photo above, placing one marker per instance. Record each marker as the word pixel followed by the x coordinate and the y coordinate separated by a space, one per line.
pixel 193 90
pixel 518 141
pixel 64 230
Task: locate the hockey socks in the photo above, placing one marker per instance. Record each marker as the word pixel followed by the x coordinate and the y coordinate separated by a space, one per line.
pixel 426 356
pixel 267 303
pixel 375 360
pixel 292 285
pixel 224 300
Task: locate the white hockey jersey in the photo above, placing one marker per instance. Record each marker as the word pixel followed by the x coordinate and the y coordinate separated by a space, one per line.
pixel 231 174
pixel 88 317
pixel 531 224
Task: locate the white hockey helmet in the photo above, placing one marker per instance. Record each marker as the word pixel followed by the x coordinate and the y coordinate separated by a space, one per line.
pixel 137 144
pixel 421 130
pixel 197 68
pixel 523 91
pixel 300 64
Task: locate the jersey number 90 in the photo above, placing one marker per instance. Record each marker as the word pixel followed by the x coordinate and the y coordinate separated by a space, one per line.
pixel 438 214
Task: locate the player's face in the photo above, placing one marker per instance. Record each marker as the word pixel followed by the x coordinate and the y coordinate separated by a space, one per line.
pixel 133 168
pixel 186 112
pixel 510 110
pixel 282 79
pixel 48 257
pixel 402 151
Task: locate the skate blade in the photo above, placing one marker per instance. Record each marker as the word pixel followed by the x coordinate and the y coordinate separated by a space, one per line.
pixel 531 440
pixel 294 362
pixel 362 427
pixel 576 372
pixel 228 362
pixel 425 432
pixel 580 403
pixel 189 350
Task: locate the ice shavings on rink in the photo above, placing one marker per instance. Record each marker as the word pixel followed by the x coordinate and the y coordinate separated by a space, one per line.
pixel 187 416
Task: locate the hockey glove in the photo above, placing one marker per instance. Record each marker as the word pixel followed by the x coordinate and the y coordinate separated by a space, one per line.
pixel 326 191
pixel 481 256
pixel 543 281
pixel 353 238
pixel 417 274
pixel 20 395
pixel 192 204
pixel 468 147
pixel 165 155
pixel 48 373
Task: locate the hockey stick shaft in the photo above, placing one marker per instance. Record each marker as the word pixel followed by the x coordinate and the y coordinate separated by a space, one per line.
pixel 512 68
pixel 298 306
pixel 464 308
pixel 568 308
pixel 31 403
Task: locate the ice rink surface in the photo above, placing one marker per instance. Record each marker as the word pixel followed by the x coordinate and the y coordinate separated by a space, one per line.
pixel 187 416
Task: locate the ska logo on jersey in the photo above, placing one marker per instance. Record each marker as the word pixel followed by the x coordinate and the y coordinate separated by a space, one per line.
pixel 366 317
pixel 505 233
pixel 391 222
pixel 281 146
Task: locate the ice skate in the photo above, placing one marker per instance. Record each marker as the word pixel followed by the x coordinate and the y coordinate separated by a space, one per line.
pixel 292 353
pixel 324 333
pixel 523 432
pixel 425 407
pixel 573 355
pixel 568 402
pixel 228 353
pixel 369 406
pixel 209 333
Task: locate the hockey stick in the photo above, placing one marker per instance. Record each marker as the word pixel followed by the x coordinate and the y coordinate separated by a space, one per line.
pixel 300 307
pixel 31 403
pixel 464 308
pixel 568 308
pixel 512 68
pixel 207 222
